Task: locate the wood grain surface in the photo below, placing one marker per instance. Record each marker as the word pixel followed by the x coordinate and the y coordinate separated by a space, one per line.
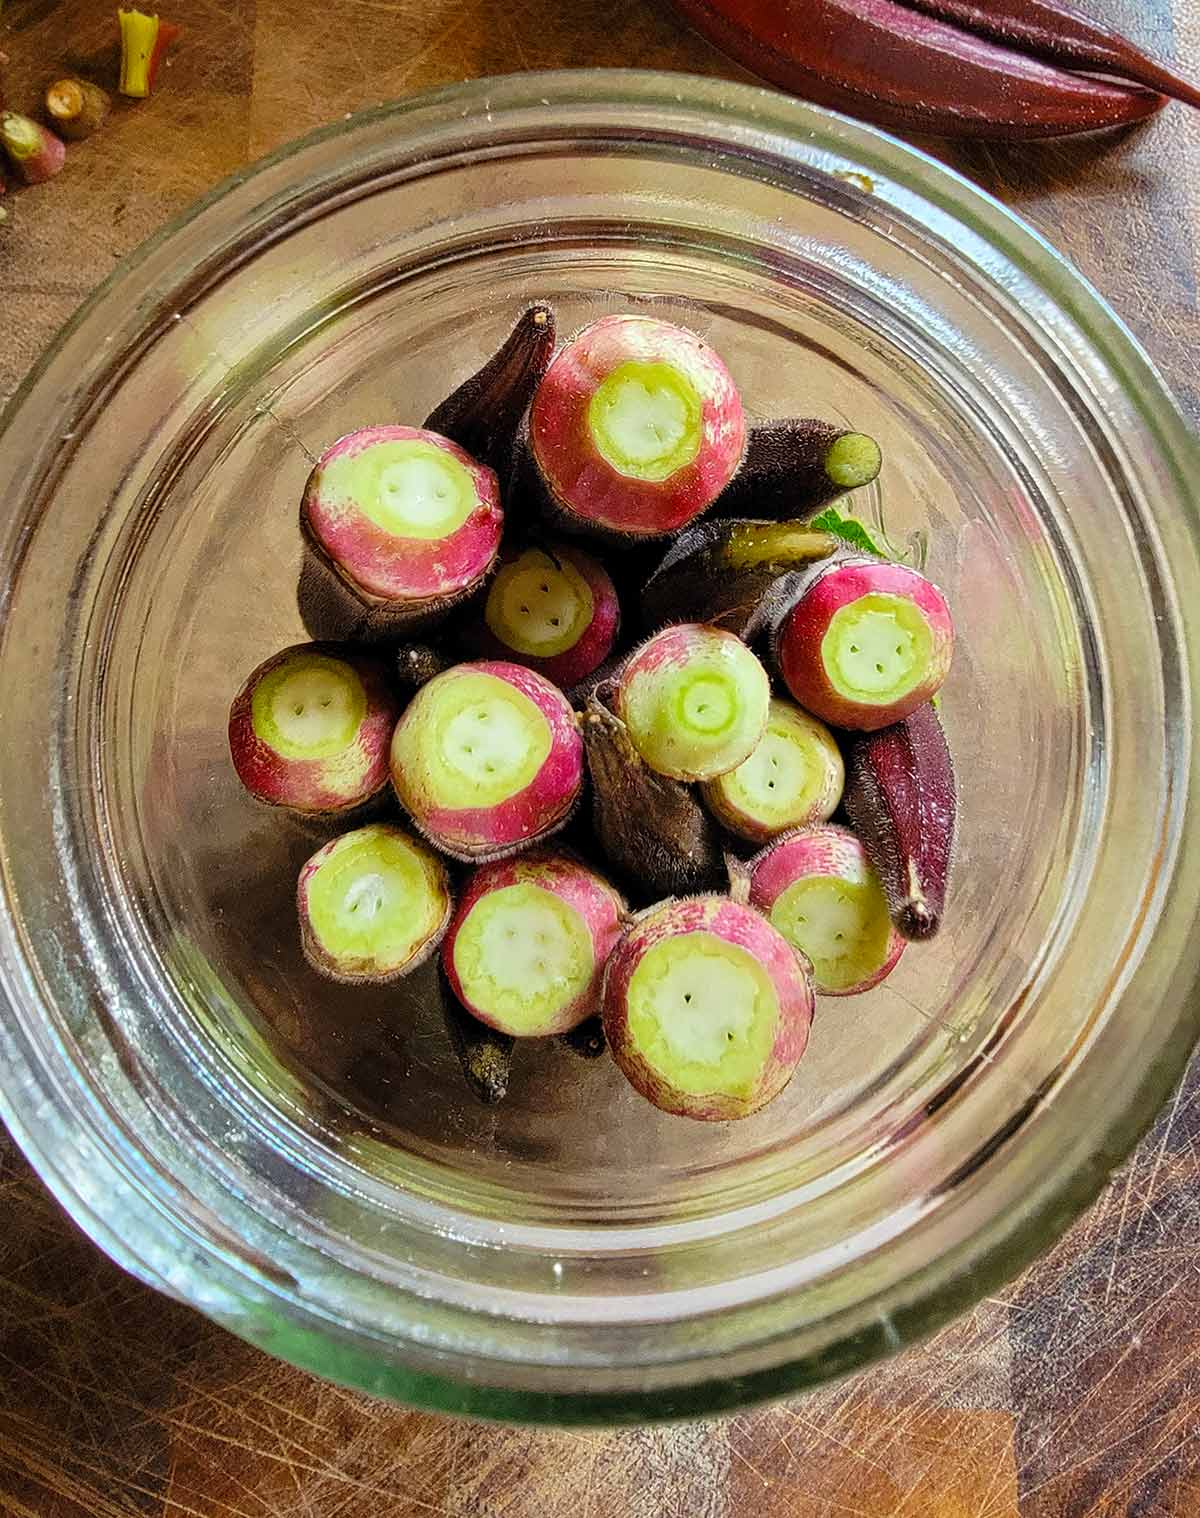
pixel 1074 1392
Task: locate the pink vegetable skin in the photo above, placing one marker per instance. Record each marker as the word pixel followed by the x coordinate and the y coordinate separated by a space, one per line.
pixel 600 907
pixel 341 778
pixel 503 629
pixel 651 379
pixel 34 153
pixel 411 574
pixel 865 644
pixel 440 775
pixel 833 854
pixel 694 923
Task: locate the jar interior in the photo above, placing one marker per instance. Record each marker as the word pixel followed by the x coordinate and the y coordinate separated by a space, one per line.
pixel 213 589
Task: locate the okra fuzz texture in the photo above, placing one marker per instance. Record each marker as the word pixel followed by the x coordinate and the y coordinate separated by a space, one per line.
pixel 706 1008
pixel 636 428
pixel 487 759
pixel 529 942
pixel 561 605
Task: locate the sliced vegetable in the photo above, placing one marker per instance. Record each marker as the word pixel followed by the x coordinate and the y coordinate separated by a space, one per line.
pixel 818 889
pixel 636 428
pixel 695 701
pixel 794 777
pixel 311 728
pixel 76 107
pixel 404 520
pixel 553 609
pixel 529 941
pixel 34 153
pixel 706 1008
pixel 373 905
pixel 487 759
pixel 144 40
pixel 864 643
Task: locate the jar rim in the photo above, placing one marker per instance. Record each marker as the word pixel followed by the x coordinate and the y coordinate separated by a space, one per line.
pixel 115 1196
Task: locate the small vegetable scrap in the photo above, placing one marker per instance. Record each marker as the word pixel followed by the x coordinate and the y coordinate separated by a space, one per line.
pixel 76 107
pixel 957 68
pixel 630 725
pixel 144 40
pixel 34 153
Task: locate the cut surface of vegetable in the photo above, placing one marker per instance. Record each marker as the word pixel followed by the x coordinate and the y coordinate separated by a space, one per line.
pixel 695 701
pixel 310 730
pixel 405 517
pixel 706 1008
pixel 522 954
pixel 554 609
pixel 373 904
pixel 865 643
pixel 636 427
pixel 34 153
pixel 794 777
pixel 818 888
pixel 529 941
pixel 487 758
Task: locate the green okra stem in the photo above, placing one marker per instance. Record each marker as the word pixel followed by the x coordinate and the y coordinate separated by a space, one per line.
pixel 719 572
pixel 34 153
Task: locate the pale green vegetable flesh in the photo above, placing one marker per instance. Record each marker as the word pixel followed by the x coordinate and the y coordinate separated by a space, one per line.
pixel 646 420
pixel 853 460
pixel 795 775
pixel 310 706
pixel 522 955
pixel 539 607
pixel 843 927
pixel 372 900
pixel 701 718
pixel 877 648
pixel 409 487
pixel 475 742
pixel 703 1014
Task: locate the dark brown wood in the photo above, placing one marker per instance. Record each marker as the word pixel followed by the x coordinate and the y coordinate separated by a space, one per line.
pixel 1074 1392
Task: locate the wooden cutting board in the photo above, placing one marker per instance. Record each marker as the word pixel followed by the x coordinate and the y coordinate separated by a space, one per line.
pixel 1074 1392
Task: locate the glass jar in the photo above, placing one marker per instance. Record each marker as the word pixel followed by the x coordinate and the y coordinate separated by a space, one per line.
pixel 302 1162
